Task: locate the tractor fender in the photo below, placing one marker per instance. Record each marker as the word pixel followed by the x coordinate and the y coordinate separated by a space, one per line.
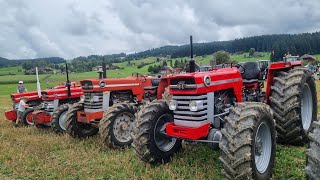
pixel 40 117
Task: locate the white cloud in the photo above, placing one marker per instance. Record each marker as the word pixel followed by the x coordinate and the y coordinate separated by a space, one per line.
pixel 71 28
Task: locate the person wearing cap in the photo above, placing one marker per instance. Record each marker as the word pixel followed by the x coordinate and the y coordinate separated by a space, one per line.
pixel 21 108
pixel 21 88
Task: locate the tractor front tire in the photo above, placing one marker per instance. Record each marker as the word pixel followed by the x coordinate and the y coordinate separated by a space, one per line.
pixel 116 126
pixel 294 101
pixel 248 142
pixel 149 139
pixel 26 117
pixel 313 153
pixel 77 129
pixel 58 119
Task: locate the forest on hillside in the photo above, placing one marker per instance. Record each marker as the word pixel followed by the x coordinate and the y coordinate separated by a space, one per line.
pixel 279 44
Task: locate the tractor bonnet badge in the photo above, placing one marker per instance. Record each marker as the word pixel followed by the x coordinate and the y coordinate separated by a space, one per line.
pixel 181 84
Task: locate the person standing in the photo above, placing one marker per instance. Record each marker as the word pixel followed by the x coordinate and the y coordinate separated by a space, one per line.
pixel 21 108
pixel 21 88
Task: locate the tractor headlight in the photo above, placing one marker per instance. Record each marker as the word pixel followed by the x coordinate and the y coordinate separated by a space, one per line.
pixel 95 99
pixel 207 80
pixel 102 84
pixel 195 105
pixel 173 105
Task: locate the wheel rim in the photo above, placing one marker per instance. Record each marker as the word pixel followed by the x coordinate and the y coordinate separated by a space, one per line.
pixel 263 147
pixel 62 121
pixel 164 143
pixel 123 126
pixel 29 119
pixel 306 107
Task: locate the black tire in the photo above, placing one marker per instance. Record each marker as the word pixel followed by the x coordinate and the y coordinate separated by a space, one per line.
pixel 77 129
pixel 238 144
pixel 313 153
pixel 286 101
pixel 25 115
pixel 144 137
pixel 55 118
pixel 107 125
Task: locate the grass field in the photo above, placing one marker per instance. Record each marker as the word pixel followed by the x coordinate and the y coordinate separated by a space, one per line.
pixel 30 153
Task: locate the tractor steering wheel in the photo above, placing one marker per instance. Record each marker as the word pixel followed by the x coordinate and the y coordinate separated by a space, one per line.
pixel 140 76
pixel 241 68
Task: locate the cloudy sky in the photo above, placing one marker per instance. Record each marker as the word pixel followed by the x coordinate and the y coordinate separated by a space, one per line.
pixel 71 28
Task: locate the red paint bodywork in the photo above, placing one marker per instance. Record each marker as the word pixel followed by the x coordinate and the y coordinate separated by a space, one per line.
pixel 134 84
pixel 32 96
pixel 187 133
pixel 275 67
pixel 11 115
pixel 221 79
pixel 87 117
pixel 61 93
pixel 40 117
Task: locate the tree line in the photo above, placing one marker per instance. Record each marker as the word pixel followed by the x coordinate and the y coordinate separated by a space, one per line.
pixel 279 44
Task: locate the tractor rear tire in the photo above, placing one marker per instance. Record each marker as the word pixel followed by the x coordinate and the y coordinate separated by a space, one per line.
pixel 77 129
pixel 116 126
pixel 58 119
pixel 25 117
pixel 248 143
pixel 288 93
pixel 313 153
pixel 150 144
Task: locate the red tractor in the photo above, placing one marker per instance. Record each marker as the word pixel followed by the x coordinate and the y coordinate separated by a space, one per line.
pixel 209 107
pixel 34 100
pixel 55 104
pixel 110 105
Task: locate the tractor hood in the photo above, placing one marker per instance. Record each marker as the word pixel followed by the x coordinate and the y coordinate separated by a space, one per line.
pixel 205 82
pixel 61 93
pixel 109 84
pixel 33 95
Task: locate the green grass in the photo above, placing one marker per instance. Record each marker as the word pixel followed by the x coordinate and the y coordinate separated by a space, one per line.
pixel 11 71
pixel 30 153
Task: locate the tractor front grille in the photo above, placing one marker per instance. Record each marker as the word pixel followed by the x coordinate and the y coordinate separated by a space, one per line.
pixel 184 117
pixel 48 106
pixel 93 101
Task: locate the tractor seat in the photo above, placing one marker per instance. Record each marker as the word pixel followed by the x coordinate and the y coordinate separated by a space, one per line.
pixel 251 73
pixel 154 84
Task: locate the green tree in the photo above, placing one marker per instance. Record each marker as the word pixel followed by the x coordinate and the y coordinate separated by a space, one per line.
pixel 252 51
pixel 176 63
pixel 222 57
pixel 164 63
pixel 150 69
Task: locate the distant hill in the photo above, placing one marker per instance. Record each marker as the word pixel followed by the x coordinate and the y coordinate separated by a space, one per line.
pixel 9 63
pixel 295 44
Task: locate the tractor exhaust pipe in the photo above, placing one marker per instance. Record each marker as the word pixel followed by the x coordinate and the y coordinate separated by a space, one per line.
pixel 104 69
pixel 68 81
pixel 192 66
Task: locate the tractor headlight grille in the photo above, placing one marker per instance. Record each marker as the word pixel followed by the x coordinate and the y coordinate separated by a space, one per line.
pixel 191 110
pixel 93 101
